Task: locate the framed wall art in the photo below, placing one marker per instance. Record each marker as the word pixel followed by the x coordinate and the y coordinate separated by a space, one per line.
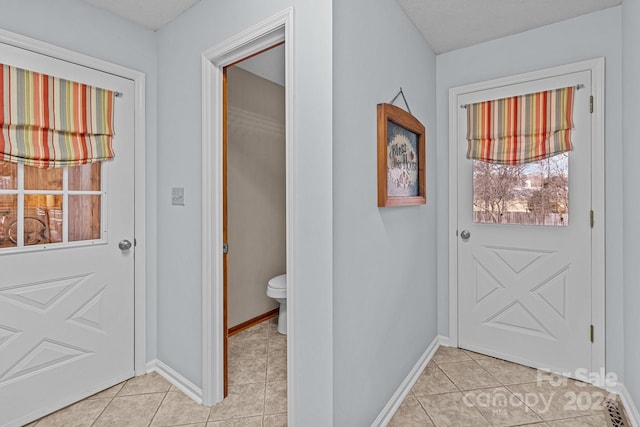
pixel 401 158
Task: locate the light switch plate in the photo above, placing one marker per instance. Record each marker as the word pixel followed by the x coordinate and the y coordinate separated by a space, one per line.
pixel 177 196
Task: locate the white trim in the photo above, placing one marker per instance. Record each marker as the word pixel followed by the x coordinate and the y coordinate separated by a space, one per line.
pixel 403 390
pixel 453 217
pixel 138 79
pixel 629 406
pixel 444 341
pixel 180 382
pixel 264 34
pixel 598 242
pixel 596 66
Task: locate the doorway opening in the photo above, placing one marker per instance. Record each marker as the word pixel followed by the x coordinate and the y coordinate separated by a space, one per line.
pixel 216 62
pixel 254 227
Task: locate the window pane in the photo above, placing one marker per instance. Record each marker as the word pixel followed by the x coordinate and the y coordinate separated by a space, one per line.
pixel 531 194
pixel 38 210
pixel 47 208
pixel 84 217
pixel 8 213
pixel 42 179
pixel 85 177
pixel 8 176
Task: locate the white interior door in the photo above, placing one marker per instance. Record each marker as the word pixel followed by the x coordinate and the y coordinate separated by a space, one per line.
pixel 66 290
pixel 524 291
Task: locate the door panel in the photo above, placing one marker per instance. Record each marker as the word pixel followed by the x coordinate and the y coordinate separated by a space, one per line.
pixel 524 291
pixel 66 309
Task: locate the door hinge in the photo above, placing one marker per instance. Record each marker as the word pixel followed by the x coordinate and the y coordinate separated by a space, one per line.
pixel 591 332
pixel 135 242
pixel 591 104
pixel 591 220
pixel 225 248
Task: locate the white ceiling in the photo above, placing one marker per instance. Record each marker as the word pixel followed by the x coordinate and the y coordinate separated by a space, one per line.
pixel 454 24
pixel 445 24
pixel 152 14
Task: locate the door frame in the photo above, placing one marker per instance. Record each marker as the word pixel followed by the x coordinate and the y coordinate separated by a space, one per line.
pixel 138 78
pixel 271 31
pixel 597 68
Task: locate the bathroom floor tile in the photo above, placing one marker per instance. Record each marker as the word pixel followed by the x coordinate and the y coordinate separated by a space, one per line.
pixel 275 401
pixel 247 371
pixel 238 422
pixel 277 345
pixel 277 420
pixel 247 349
pixel 259 331
pixel 277 368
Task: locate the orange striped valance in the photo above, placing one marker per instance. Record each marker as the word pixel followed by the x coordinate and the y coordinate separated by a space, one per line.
pixel 521 129
pixel 51 122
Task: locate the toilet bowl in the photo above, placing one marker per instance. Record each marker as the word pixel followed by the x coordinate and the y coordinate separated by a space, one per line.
pixel 277 289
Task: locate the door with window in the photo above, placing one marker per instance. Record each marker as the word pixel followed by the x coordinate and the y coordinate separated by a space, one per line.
pixel 524 242
pixel 66 260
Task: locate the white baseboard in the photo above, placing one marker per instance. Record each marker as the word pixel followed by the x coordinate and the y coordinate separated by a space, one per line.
pixel 444 341
pixel 627 402
pixel 183 384
pixel 401 393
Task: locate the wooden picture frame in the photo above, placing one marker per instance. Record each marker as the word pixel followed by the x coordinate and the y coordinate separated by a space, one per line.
pixel 401 158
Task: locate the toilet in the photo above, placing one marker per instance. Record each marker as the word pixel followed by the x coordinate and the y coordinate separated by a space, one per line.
pixel 277 289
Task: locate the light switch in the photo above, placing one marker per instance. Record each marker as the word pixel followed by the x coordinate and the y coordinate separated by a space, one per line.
pixel 177 196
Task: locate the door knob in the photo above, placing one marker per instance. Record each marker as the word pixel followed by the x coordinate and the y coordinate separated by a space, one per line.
pixel 124 245
pixel 465 235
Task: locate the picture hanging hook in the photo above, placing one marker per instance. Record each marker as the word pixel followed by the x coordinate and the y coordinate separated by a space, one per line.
pixel 405 99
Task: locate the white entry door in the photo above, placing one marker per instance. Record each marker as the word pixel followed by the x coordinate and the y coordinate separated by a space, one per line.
pixel 525 291
pixel 66 288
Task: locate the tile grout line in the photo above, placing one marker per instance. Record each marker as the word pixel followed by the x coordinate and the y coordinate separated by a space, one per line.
pixel 166 393
pixel 103 410
pixel 423 408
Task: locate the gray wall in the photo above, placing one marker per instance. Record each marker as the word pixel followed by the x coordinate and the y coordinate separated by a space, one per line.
pixel 180 45
pixel 631 130
pixel 384 258
pixel 590 36
pixel 80 27
pixel 256 203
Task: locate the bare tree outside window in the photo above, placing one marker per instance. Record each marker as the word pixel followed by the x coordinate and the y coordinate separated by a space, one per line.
pixel 530 194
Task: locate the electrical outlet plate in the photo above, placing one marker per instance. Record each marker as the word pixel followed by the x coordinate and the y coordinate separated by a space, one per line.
pixel 177 196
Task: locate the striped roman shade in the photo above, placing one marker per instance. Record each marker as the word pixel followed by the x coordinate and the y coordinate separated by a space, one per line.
pixel 521 129
pixel 50 122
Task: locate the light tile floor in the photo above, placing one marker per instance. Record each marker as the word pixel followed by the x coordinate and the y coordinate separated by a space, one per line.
pixel 460 388
pixel 257 393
